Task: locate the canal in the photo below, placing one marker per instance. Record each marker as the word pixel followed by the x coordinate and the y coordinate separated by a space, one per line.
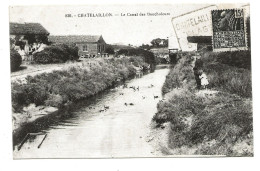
pixel 115 123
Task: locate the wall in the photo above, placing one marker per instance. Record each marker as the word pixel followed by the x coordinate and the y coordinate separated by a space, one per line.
pixel 92 49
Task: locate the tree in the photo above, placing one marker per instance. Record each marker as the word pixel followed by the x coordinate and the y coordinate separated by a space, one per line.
pixel 165 42
pixel 30 37
pixel 37 38
pixel 15 59
pixel 156 42
pixel 123 52
pixel 159 42
pixel 42 38
pixel 110 49
pixel 147 47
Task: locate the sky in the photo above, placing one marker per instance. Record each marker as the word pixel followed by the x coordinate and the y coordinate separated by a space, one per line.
pixel 134 30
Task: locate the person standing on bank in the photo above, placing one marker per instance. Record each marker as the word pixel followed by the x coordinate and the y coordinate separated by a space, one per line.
pixel 203 79
pixel 197 67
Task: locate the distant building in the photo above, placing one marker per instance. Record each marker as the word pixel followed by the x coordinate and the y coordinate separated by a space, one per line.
pixel 89 45
pixel 203 42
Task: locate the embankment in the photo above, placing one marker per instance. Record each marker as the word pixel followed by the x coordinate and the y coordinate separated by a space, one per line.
pixel 216 121
pixel 45 93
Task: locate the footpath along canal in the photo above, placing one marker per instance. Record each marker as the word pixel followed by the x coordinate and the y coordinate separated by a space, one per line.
pixel 115 123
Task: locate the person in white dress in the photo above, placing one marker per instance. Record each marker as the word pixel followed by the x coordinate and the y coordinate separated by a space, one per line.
pixel 204 80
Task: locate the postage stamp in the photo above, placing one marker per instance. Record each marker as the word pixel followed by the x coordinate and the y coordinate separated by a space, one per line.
pixel 229 33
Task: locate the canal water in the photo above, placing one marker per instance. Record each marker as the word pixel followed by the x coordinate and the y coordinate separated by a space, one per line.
pixel 115 123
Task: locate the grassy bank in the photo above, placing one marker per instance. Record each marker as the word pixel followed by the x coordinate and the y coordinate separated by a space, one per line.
pixel 62 87
pixel 217 121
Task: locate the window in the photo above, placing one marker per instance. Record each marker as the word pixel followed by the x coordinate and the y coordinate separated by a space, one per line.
pixel 85 48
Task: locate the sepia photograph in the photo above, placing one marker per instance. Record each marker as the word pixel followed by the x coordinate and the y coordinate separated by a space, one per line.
pixel 131 81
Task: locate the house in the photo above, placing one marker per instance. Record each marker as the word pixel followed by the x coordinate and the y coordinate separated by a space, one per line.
pixel 27 30
pixel 28 38
pixel 90 46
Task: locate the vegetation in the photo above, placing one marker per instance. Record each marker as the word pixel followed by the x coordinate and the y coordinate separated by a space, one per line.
pixel 222 73
pixel 15 59
pixel 213 122
pixel 57 53
pixel 159 42
pixel 110 49
pixel 65 86
pixel 147 56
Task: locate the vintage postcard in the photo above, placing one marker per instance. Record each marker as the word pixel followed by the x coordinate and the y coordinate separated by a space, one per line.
pixel 125 81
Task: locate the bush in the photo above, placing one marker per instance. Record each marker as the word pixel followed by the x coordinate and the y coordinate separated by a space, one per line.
pixel 110 49
pixel 231 79
pixel 180 76
pixel 15 59
pixel 241 59
pixel 58 53
pixel 217 123
pixel 198 120
pixel 78 82
pixel 221 74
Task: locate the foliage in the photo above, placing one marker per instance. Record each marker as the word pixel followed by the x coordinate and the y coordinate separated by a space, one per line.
pixel 198 120
pixel 211 122
pixel 219 72
pixel 122 52
pixel 145 46
pixel 15 59
pixel 159 42
pixel 241 59
pixel 110 49
pixel 57 53
pixel 61 87
pixel 36 39
pixel 148 56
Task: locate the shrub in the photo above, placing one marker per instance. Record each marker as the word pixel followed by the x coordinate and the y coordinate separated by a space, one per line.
pixel 58 53
pixel 180 76
pixel 15 59
pixel 241 59
pixel 110 49
pixel 54 100
pixel 75 83
pixel 221 75
pixel 214 124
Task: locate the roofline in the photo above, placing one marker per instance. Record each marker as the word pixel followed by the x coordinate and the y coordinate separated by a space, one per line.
pixel 75 35
pixel 47 32
pixel 100 36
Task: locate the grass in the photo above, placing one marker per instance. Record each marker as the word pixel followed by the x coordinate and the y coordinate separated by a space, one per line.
pixel 77 82
pixel 213 122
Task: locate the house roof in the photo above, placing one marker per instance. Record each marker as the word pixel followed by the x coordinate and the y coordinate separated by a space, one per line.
pixel 76 39
pixel 27 28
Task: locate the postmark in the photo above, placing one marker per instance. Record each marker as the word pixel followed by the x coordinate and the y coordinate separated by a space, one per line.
pixel 229 33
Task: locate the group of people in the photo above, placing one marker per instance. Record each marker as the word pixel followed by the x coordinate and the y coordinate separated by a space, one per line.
pixel 26 51
pixel 200 76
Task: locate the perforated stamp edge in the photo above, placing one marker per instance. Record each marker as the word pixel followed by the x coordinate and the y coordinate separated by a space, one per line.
pixel 245 34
